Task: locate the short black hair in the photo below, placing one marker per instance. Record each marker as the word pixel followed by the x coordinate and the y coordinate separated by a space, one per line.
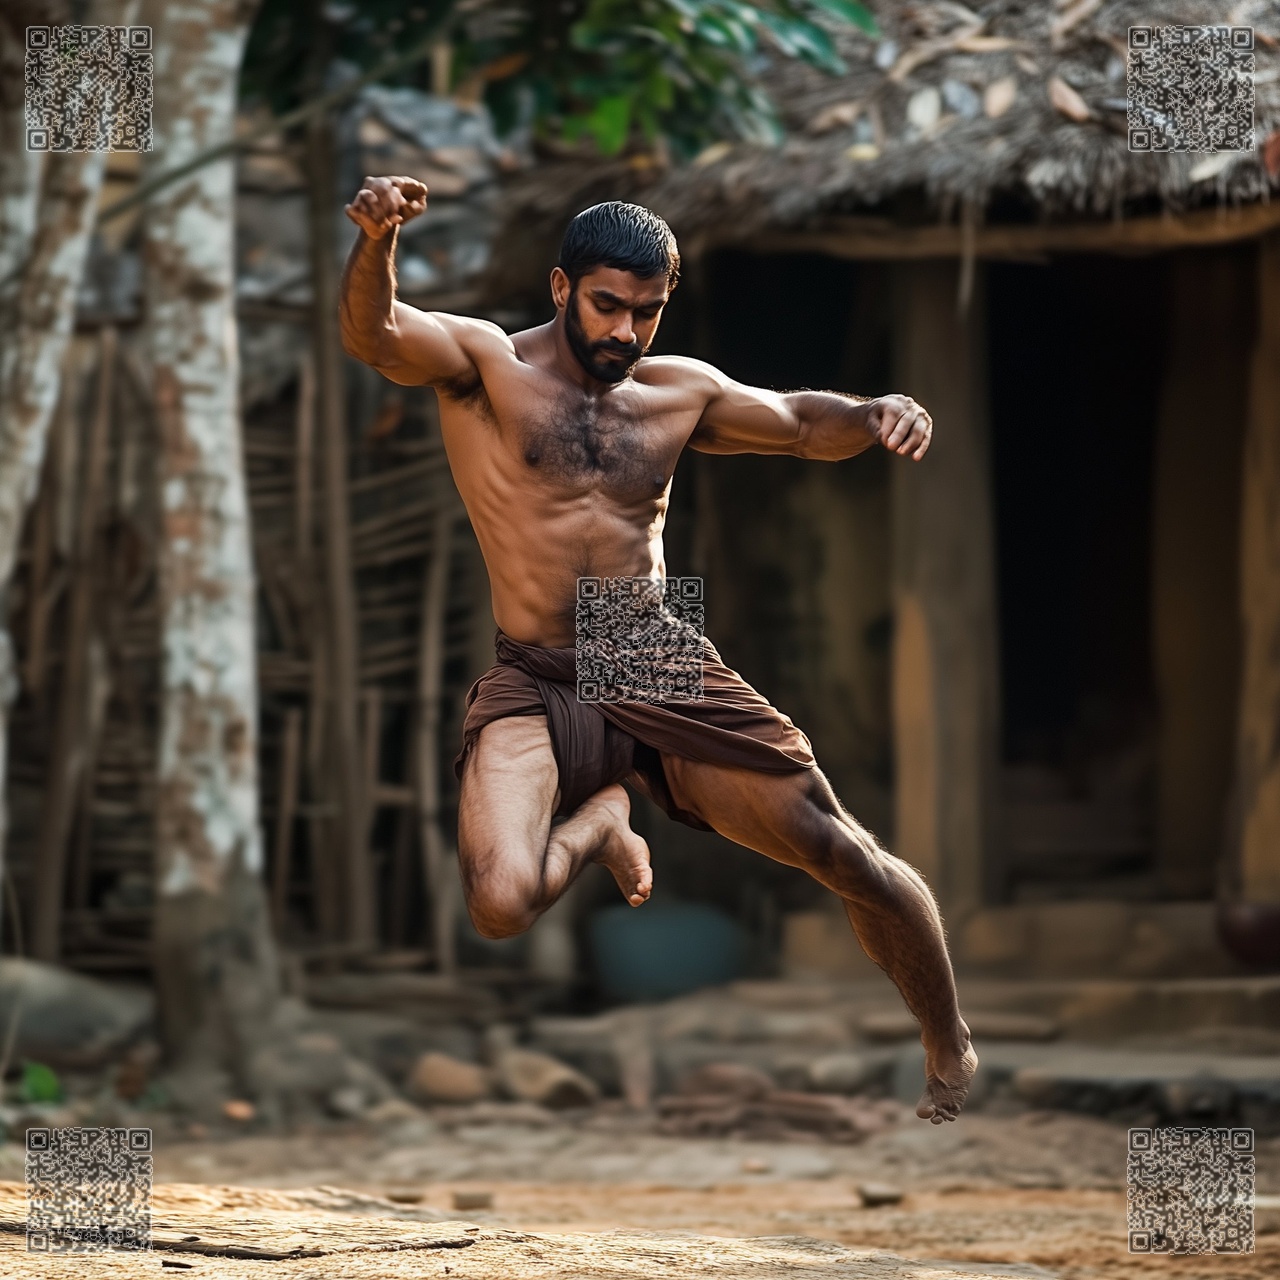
pixel 627 237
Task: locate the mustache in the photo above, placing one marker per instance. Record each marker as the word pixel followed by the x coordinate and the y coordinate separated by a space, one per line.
pixel 620 348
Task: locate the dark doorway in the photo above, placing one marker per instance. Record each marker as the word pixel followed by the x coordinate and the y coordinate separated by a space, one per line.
pixel 1077 353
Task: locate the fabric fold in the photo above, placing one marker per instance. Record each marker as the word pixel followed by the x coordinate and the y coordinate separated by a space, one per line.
pixel 598 743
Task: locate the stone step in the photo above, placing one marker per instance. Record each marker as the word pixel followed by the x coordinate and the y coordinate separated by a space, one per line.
pixel 1168 1087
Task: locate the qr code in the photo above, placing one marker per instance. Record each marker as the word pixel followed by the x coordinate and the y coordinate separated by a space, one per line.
pixel 88 1189
pixel 89 88
pixel 1190 88
pixel 639 639
pixel 1191 1190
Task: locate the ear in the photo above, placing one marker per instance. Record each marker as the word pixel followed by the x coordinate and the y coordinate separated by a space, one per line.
pixel 560 288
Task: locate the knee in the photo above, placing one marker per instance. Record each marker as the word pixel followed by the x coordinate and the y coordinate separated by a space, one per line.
pixel 497 914
pixel 499 903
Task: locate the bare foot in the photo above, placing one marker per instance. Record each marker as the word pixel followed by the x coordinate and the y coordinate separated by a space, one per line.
pixel 948 1073
pixel 623 852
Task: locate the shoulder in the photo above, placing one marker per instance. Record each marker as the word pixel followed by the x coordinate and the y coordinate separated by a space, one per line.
pixel 682 371
pixel 476 335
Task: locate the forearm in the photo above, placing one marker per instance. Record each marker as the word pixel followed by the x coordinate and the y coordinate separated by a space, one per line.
pixel 367 304
pixel 833 425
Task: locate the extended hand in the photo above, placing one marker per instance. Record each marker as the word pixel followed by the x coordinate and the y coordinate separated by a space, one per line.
pixel 382 204
pixel 900 424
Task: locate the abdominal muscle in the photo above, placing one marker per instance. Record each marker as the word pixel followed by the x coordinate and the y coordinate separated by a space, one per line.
pixel 535 559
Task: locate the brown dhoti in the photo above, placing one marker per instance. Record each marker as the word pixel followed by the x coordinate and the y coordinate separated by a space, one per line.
pixel 598 743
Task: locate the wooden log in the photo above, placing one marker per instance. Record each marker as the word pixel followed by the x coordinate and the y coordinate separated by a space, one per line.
pixel 1256 834
pixel 438 873
pixel 68 754
pixel 945 681
pixel 344 783
pixel 866 237
pixel 290 757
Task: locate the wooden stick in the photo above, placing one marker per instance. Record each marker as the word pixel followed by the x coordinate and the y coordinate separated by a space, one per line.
pixel 303 465
pixel 438 874
pixel 345 783
pixel 290 755
pixel 38 594
pixel 372 699
pixel 68 755
pixel 97 695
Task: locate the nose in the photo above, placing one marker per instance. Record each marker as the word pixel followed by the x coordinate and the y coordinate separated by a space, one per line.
pixel 623 331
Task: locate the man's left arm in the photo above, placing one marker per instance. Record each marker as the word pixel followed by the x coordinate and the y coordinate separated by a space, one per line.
pixel 824 425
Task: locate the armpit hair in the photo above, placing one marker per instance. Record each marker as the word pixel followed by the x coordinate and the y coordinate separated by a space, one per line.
pixel 467 389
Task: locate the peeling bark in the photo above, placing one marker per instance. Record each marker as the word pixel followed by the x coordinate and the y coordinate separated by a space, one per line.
pixel 41 265
pixel 217 977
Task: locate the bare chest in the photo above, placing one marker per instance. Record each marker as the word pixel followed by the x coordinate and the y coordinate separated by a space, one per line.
pixel 619 448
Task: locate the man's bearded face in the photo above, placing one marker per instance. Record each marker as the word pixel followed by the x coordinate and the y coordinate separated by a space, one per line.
pixel 606 359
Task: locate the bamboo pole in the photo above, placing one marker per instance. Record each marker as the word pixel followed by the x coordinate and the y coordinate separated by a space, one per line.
pixel 69 748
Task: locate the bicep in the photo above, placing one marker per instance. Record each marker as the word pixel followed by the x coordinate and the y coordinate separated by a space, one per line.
pixel 424 348
pixel 742 419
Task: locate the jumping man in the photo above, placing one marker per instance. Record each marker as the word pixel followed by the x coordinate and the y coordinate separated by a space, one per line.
pixel 563 440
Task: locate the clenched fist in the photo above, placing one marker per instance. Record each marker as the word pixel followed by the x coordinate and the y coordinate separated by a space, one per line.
pixel 382 204
pixel 900 424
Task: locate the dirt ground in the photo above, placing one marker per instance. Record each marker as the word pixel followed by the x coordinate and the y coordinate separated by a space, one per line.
pixel 1039 1194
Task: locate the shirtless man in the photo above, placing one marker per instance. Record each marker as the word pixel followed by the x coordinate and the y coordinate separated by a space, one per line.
pixel 562 440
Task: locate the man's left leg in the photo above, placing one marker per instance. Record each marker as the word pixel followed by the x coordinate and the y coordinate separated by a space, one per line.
pixel 796 818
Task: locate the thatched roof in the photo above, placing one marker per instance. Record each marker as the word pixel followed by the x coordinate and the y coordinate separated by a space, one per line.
pixel 914 130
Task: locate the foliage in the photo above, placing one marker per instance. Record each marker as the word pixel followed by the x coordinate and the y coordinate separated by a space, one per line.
pixel 611 70
pixel 39 1083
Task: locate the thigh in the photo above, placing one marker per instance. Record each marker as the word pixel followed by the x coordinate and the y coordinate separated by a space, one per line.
pixel 785 816
pixel 508 793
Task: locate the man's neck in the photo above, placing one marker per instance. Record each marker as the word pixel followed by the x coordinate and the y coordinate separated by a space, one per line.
pixel 563 361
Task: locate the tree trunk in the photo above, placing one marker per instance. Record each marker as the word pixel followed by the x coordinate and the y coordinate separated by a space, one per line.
pixel 217 976
pixel 41 265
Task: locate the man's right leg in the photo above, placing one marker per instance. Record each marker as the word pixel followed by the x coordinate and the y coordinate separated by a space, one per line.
pixel 515 860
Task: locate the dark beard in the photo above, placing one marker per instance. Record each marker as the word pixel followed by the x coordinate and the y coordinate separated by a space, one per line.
pixel 588 353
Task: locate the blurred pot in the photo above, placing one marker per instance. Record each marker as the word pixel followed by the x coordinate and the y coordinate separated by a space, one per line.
pixel 662 950
pixel 1250 931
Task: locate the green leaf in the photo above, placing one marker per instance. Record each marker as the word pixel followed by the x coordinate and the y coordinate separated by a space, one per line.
pixel 39 1083
pixel 610 123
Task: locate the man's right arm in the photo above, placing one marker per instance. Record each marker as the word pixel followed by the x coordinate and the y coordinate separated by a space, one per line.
pixel 404 344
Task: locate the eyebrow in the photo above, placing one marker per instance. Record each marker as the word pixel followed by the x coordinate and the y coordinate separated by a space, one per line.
pixel 603 295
